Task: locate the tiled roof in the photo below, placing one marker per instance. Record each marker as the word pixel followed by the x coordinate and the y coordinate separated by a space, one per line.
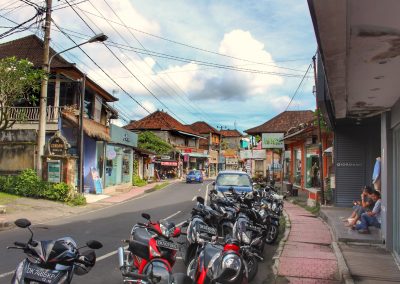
pixel 31 48
pixel 283 122
pixel 159 120
pixel 231 133
pixel 203 127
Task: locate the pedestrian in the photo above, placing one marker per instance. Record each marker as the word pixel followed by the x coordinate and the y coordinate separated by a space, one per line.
pixel 372 218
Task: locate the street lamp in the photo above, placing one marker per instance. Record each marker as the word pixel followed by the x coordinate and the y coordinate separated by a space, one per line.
pixel 43 102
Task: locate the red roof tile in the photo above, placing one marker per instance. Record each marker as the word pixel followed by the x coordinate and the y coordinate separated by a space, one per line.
pixel 283 122
pixel 231 133
pixel 159 120
pixel 203 127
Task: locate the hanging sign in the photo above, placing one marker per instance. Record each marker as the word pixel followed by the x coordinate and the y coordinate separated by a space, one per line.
pixel 272 140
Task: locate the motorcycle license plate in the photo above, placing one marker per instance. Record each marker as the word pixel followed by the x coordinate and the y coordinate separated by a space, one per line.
pixel 207 229
pixel 42 275
pixel 192 178
pixel 253 228
pixel 167 244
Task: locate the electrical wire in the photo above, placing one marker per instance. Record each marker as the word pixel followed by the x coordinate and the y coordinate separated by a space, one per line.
pixel 123 64
pixel 298 87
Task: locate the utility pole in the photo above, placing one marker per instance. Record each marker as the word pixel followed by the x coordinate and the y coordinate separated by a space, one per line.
pixel 220 147
pixel 81 135
pixel 43 92
pixel 321 168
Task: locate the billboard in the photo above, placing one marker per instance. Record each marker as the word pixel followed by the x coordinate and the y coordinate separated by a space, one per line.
pixel 272 140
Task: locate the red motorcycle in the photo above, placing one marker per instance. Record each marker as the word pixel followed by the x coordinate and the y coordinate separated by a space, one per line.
pixel 219 264
pixel 150 254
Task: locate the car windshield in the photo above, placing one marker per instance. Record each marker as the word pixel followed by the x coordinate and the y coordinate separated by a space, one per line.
pixel 194 173
pixel 233 180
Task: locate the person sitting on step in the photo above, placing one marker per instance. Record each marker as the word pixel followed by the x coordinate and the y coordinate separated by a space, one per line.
pixel 372 218
pixel 365 205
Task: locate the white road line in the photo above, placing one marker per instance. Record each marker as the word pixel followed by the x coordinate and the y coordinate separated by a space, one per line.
pixel 194 198
pixel 6 274
pixel 173 215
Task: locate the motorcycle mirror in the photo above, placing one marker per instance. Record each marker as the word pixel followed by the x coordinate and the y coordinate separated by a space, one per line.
pixel 146 216
pixel 200 199
pixel 213 183
pixel 93 244
pixel 22 223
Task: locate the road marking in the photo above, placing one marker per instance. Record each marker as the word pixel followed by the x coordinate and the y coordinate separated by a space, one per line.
pixel 173 215
pixel 194 198
pixel 6 274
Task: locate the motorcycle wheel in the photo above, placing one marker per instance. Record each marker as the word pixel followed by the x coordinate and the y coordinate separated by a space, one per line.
pixel 252 267
pixel 181 278
pixel 272 234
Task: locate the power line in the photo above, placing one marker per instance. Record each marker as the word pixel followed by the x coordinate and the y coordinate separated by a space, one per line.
pixel 143 59
pixel 298 87
pixel 123 64
pixel 98 66
pixel 194 47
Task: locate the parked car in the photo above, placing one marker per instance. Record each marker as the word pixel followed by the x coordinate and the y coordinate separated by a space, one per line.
pixel 238 180
pixel 194 176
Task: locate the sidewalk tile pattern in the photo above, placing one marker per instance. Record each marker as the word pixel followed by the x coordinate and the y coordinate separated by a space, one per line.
pixel 307 256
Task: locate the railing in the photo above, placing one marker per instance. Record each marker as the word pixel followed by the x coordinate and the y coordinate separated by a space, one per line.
pixel 31 114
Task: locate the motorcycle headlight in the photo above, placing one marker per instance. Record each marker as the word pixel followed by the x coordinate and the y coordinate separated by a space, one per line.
pixel 231 261
pixel 165 230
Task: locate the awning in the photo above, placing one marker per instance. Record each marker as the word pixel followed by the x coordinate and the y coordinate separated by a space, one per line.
pixel 90 127
pixel 190 134
pixel 197 155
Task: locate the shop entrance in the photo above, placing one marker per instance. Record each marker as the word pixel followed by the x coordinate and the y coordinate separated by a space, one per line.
pixel 312 168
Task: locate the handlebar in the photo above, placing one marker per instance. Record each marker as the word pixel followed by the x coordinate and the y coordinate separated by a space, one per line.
pixel 19 244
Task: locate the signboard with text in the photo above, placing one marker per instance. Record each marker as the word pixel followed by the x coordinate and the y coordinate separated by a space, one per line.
pixel 54 171
pixel 57 145
pixel 122 136
pixel 272 140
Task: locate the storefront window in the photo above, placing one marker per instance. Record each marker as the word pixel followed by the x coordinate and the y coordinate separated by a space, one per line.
pixel 297 167
pixel 312 167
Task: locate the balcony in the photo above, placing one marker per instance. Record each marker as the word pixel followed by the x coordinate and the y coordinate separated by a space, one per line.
pixel 28 117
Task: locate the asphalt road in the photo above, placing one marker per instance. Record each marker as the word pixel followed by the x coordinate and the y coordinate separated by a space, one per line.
pixel 112 224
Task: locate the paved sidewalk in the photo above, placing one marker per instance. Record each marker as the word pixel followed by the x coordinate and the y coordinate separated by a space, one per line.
pixel 307 255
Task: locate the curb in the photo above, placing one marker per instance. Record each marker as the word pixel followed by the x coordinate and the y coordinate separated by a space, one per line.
pixel 343 269
pixel 281 245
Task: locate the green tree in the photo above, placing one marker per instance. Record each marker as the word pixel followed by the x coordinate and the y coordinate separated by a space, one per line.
pixel 149 141
pixel 19 80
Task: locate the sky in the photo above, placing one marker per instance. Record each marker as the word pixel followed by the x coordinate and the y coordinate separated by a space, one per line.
pixel 233 64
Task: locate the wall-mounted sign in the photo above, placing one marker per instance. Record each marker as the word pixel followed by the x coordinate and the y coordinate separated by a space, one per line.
pixel 253 154
pixel 272 140
pixel 54 171
pixel 122 136
pixel 231 161
pixel 169 164
pixel 58 145
pixel 165 157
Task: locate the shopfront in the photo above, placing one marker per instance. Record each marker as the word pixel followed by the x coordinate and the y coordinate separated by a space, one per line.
pixel 312 179
pixel 119 156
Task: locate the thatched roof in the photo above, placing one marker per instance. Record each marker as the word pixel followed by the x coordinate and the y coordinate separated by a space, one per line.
pixel 90 127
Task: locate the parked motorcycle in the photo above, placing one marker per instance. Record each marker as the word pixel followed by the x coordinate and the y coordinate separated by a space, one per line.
pixel 151 254
pixel 52 261
pixel 219 264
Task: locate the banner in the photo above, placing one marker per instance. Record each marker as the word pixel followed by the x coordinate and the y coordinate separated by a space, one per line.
pixel 272 140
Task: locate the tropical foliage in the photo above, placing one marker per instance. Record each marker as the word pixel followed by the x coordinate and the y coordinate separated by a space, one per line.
pixel 149 141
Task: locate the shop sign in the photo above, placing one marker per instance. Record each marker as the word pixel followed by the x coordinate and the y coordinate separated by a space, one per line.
pixel 170 164
pixel 231 161
pixel 58 145
pixel 165 157
pixel 213 157
pixel 187 150
pixel 253 154
pixel 349 164
pixel 54 171
pixel 122 136
pixel 192 160
pixel 272 140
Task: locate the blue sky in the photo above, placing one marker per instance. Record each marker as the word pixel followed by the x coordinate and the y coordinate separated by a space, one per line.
pixel 268 36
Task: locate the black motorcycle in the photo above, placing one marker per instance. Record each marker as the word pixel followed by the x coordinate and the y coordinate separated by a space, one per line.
pixel 52 261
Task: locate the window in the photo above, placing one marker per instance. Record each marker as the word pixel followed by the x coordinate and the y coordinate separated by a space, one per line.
pixel 233 180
